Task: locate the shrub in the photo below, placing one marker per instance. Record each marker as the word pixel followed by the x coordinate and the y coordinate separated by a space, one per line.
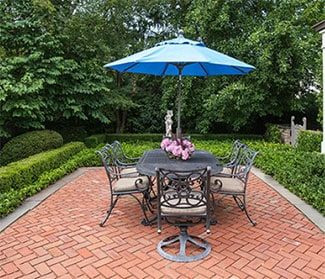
pixel 29 144
pixel 300 172
pixel 158 137
pixel 24 172
pixel 13 197
pixel 273 133
pixel 95 140
pixel 309 141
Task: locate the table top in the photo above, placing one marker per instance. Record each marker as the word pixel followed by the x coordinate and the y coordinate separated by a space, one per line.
pixel 158 158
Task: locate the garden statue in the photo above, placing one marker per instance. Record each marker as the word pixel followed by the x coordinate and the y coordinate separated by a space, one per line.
pixel 169 123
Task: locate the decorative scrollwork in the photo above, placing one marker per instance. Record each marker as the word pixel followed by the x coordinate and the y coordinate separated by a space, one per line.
pixel 139 183
pixel 216 184
pixel 183 189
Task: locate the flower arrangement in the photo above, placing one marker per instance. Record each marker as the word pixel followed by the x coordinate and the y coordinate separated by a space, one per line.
pixel 177 148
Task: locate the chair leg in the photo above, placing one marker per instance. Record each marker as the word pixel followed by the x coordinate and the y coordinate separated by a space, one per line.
pixel 239 203
pixel 183 238
pixel 213 220
pixel 147 198
pixel 242 205
pixel 109 211
pixel 146 220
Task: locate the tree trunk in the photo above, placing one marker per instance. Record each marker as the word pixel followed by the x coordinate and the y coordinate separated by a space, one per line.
pixel 124 114
pixel 117 112
pixel 118 122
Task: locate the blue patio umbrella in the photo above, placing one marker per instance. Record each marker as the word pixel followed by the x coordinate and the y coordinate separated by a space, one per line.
pixel 180 57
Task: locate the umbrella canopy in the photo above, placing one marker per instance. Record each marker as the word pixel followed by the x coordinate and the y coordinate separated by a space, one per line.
pixel 180 57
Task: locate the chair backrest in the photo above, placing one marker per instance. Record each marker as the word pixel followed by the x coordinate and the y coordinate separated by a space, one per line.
pixel 246 161
pixel 235 153
pixel 107 157
pixel 183 189
pixel 119 155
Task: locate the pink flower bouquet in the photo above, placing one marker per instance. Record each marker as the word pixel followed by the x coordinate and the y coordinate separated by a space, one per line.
pixel 177 148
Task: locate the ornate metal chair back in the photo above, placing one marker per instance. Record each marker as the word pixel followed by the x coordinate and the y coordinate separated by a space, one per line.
pixel 235 153
pixel 245 160
pixel 119 156
pixel 107 157
pixel 183 189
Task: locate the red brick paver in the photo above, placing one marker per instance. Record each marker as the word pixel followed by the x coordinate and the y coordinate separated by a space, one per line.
pixel 61 239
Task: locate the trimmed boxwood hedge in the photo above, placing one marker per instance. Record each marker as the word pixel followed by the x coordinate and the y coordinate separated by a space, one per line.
pixel 301 172
pixel 24 172
pixel 309 141
pixel 28 144
pixel 14 197
pixel 94 140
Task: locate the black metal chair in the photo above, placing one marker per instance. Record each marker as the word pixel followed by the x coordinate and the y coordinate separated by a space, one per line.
pixel 123 184
pixel 124 164
pixel 231 161
pixel 183 200
pixel 235 184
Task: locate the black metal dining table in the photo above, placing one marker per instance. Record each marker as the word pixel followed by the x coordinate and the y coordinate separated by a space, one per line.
pixel 158 158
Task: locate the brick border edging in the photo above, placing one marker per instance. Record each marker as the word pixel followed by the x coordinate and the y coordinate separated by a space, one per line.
pixel 35 200
pixel 31 202
pixel 312 214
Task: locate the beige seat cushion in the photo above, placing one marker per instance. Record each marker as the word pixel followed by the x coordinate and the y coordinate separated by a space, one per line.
pixel 181 209
pixel 128 184
pixel 232 185
pixel 129 170
pixel 226 170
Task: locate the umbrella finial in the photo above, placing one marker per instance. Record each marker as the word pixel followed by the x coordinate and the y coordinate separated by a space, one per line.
pixel 181 33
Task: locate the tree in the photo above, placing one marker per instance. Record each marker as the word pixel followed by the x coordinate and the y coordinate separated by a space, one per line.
pixel 274 36
pixel 39 82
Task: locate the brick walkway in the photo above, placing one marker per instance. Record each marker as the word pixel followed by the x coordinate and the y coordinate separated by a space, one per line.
pixel 61 238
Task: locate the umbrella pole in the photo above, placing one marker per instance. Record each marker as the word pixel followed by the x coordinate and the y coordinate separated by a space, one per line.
pixel 179 130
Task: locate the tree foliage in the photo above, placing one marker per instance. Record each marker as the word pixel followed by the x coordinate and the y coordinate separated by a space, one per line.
pixel 40 81
pixel 52 55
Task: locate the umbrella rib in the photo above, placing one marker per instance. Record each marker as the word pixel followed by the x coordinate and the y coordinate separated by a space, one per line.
pixel 131 66
pixel 165 69
pixel 204 69
pixel 240 70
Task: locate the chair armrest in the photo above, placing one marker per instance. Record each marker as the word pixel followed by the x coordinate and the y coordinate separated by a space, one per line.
pixel 132 159
pixel 128 175
pixel 126 165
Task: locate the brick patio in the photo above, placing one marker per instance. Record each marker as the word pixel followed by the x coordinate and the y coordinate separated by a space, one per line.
pixel 61 239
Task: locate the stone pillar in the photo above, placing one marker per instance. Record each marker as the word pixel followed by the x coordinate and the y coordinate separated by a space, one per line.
pixel 320 27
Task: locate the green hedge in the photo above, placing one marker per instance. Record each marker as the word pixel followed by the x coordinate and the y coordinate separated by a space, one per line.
pixel 301 172
pixel 309 141
pixel 14 197
pixel 94 140
pixel 29 144
pixel 158 137
pixel 273 133
pixel 24 172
